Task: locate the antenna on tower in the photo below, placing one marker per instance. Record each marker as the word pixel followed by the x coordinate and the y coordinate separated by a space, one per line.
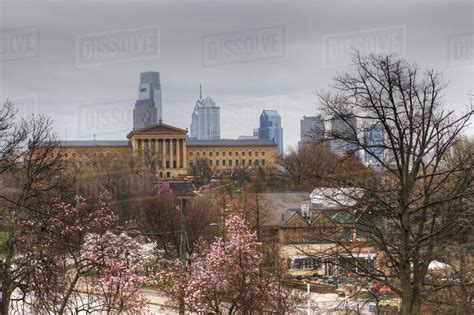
pixel 200 90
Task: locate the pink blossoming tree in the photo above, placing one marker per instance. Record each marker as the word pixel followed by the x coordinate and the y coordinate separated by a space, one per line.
pixel 227 276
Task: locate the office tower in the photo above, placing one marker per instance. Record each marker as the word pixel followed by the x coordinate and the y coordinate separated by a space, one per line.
pixel 345 129
pixel 148 108
pixel 270 128
pixel 374 139
pixel 311 129
pixel 205 120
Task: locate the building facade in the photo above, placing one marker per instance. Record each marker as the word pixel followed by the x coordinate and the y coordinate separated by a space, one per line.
pixel 168 151
pixel 311 129
pixel 270 128
pixel 340 128
pixel 374 139
pixel 205 120
pixel 148 108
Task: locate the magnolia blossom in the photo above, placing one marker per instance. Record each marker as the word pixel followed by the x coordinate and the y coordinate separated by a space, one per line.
pixel 122 270
pixel 228 274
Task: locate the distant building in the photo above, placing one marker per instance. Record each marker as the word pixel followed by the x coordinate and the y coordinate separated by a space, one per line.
pixel 248 137
pixel 374 139
pixel 270 128
pixel 311 129
pixel 148 109
pixel 338 128
pixel 254 136
pixel 205 121
pixel 170 154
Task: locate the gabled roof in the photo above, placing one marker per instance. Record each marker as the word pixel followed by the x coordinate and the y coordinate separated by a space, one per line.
pixel 157 129
pixel 282 206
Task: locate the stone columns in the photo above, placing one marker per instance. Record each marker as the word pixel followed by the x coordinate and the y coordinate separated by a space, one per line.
pixel 178 153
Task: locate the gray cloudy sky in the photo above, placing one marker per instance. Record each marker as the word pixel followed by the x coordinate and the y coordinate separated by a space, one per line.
pixel 61 58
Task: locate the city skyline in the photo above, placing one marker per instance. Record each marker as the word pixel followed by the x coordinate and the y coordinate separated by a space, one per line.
pixel 80 95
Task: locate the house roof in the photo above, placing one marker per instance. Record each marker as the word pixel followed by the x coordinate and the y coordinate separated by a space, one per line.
pixel 282 206
pixel 329 197
pixel 231 143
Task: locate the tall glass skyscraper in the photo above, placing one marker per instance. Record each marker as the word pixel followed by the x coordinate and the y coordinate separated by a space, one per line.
pixel 148 108
pixel 205 121
pixel 374 139
pixel 311 129
pixel 270 128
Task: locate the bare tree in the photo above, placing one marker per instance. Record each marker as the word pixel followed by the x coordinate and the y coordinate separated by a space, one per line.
pixel 33 174
pixel 159 219
pixel 416 202
pixel 314 165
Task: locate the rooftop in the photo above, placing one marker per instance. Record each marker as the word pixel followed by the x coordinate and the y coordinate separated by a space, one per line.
pixel 231 142
pixel 91 143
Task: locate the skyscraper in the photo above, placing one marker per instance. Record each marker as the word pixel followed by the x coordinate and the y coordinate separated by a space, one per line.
pixel 374 139
pixel 205 120
pixel 311 129
pixel 345 129
pixel 270 128
pixel 148 109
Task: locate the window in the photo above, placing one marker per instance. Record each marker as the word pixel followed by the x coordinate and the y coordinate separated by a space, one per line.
pixel 204 154
pixel 263 162
pixel 270 123
pixel 190 154
pixel 167 164
pixel 250 162
pixel 143 90
pixel 174 164
pixel 217 153
pixel 243 162
pixel 197 154
pixel 223 162
pixel 230 153
pixel 243 153
pixel 230 163
pixel 256 153
pixel 263 153
pixel 250 153
pixel 303 263
pixel 168 174
pixel 210 163
pixel 190 163
pixel 255 162
pixel 223 153
pixel 217 163
pixel 210 153
pixel 236 162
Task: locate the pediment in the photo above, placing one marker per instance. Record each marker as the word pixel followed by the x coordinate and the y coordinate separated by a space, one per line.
pixel 158 129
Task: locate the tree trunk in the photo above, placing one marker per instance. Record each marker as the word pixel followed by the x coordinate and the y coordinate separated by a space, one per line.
pixel 411 303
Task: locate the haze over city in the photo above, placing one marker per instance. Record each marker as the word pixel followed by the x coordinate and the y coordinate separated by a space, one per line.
pixel 86 98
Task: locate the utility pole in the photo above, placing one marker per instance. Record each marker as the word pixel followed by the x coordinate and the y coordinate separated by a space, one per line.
pixel 182 249
pixel 309 299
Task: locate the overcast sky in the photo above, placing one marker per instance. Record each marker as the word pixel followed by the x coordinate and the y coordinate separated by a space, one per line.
pixel 60 58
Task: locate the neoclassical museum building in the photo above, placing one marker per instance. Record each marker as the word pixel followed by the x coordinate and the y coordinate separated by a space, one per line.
pixel 172 153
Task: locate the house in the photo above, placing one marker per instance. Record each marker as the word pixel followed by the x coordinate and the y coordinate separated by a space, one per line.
pixel 317 232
